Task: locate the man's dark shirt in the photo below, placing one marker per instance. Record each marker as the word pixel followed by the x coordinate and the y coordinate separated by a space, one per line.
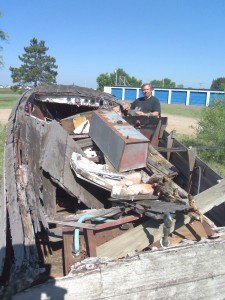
pixel 147 105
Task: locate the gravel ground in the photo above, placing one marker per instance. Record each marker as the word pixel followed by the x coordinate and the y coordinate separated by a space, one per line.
pixel 180 124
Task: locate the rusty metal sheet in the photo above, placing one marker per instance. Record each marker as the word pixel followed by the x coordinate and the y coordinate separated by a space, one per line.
pixel 124 146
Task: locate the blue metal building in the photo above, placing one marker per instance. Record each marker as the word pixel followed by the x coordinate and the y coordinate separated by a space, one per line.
pixel 168 96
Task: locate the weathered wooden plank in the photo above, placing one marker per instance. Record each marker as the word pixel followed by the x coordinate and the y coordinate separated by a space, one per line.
pixel 28 231
pixel 161 274
pixel 33 131
pixel 67 124
pixel 54 151
pixel 158 162
pixel 212 197
pixel 32 202
pixel 56 161
pixel 150 231
pixel 2 220
pixel 16 228
pixel 49 196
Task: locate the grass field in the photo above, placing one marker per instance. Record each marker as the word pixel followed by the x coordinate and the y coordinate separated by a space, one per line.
pixel 9 91
pixel 8 98
pixel 182 110
pixel 8 101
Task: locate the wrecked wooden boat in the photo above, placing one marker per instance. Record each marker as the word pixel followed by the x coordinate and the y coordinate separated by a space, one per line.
pixel 80 172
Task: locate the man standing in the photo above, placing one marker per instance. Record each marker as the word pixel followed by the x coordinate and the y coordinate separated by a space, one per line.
pixel 147 105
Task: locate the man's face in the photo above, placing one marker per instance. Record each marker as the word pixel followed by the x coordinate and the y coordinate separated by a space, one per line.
pixel 147 91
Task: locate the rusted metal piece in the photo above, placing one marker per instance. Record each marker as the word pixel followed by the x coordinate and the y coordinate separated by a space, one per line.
pixel 124 146
pixel 68 259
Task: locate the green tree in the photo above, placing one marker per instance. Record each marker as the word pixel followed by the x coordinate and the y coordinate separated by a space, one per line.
pixel 37 67
pixel 3 37
pixel 164 83
pixel 211 128
pixel 156 83
pixel 118 78
pixel 168 83
pixel 218 84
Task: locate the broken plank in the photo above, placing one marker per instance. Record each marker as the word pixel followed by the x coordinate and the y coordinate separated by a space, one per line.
pixel 58 150
pixel 151 231
pixel 163 274
pixel 159 163
pixel 49 195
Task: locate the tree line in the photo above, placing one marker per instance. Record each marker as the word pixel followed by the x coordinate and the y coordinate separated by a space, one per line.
pixel 120 78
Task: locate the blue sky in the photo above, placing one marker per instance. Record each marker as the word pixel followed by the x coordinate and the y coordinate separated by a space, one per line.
pixel 179 39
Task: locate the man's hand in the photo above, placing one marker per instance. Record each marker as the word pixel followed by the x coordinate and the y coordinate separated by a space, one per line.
pixel 126 106
pixel 140 113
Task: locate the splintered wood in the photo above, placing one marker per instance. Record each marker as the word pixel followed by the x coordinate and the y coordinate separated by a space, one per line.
pixel 151 231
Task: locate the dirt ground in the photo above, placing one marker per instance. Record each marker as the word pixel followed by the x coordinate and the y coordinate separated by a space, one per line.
pixel 4 115
pixel 181 124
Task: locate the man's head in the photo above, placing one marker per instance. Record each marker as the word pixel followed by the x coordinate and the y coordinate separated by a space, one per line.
pixel 146 90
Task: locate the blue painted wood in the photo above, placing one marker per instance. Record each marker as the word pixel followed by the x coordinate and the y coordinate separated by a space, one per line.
pixel 214 96
pixel 130 94
pixel 162 95
pixel 178 97
pixel 198 98
pixel 117 92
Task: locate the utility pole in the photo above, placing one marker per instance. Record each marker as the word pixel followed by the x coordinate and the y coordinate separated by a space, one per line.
pixel 116 78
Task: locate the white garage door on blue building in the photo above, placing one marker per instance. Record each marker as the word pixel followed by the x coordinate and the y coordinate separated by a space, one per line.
pixel 168 96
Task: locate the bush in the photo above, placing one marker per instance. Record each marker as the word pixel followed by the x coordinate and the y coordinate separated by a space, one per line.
pixel 211 130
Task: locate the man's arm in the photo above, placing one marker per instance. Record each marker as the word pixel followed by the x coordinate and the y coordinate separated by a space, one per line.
pixel 151 114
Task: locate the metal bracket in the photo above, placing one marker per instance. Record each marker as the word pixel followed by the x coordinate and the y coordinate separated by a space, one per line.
pixel 192 153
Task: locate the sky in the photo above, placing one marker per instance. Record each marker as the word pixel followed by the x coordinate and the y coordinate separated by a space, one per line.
pixel 149 39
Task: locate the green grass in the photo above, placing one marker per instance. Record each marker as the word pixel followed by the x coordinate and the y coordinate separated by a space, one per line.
pixel 9 91
pixel 9 97
pixel 2 143
pixel 8 102
pixel 182 110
